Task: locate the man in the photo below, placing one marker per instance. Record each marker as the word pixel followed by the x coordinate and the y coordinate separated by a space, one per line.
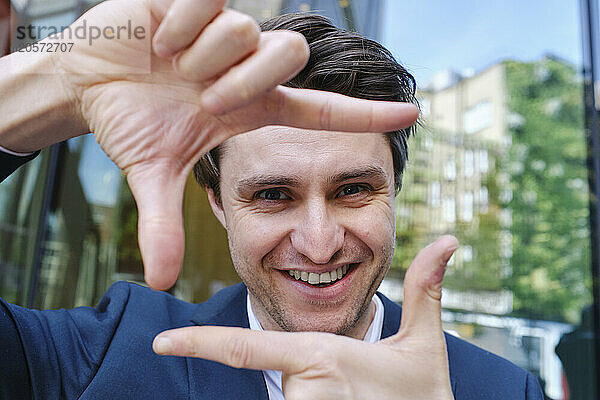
pixel 309 216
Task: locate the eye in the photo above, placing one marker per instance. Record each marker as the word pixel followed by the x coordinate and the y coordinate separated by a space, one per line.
pixel 352 190
pixel 272 195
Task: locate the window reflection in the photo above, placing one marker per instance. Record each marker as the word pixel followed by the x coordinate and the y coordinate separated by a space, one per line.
pixel 86 244
pixel 503 158
pixel 20 201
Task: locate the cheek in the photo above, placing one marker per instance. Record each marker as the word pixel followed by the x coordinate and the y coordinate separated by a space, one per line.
pixel 374 226
pixel 253 237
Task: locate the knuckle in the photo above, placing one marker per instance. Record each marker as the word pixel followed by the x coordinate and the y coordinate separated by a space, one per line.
pixel 278 107
pixel 177 30
pixel 325 364
pixel 370 122
pixel 237 352
pixel 321 358
pixel 180 66
pixel 242 90
pixel 273 106
pixel 298 46
pixel 190 346
pixel 291 49
pixel 326 115
pixel 245 31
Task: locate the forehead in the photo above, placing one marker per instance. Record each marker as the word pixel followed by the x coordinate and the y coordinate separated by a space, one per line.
pixel 303 152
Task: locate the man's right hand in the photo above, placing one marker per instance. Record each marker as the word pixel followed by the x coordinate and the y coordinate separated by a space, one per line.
pixel 217 76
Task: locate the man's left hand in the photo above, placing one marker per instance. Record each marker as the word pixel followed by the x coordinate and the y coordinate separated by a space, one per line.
pixel 412 364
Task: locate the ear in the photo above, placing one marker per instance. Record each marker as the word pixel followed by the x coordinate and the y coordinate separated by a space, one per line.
pixel 216 207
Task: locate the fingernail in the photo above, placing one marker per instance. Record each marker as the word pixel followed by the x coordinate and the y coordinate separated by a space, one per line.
pixel 163 345
pixel 448 254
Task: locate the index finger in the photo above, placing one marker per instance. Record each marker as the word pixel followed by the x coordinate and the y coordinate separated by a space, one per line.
pixel 314 109
pixel 182 22
pixel 236 347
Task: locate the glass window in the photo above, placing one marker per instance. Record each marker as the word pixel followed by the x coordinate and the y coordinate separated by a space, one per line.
pixel 467 207
pixel 483 199
pixel 478 117
pixel 468 166
pixel 450 169
pixel 21 198
pixel 434 194
pixel 511 112
pixel 484 162
pixel 91 238
pixel 449 209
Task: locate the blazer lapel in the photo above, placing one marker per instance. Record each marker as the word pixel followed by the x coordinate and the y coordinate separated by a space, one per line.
pixel 391 317
pixel 210 380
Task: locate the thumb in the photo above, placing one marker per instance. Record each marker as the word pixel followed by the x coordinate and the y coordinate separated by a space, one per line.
pixel 158 192
pixel 421 307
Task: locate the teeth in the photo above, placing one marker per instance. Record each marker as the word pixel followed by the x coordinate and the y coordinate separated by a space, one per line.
pixel 315 279
pixel 325 277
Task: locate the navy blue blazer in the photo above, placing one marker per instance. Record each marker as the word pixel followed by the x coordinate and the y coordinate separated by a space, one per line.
pixel 106 352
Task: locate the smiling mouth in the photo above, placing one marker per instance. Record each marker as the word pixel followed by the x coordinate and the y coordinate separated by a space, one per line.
pixel 323 279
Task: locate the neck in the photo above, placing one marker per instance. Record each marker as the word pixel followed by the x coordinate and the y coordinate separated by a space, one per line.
pixel 358 331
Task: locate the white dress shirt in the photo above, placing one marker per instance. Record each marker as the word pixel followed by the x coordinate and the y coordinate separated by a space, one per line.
pixel 14 153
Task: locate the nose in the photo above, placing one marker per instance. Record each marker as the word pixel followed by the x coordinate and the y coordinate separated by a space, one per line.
pixel 318 235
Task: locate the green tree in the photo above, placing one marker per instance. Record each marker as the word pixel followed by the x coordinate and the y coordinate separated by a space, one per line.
pixel 548 190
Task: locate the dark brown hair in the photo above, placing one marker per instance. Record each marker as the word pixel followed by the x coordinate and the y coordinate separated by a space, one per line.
pixel 342 62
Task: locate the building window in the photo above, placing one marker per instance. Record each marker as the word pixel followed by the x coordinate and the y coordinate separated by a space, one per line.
pixel 484 162
pixel 468 167
pixel 478 117
pixel 450 169
pixel 467 253
pixel 483 199
pixel 449 209
pixel 467 207
pixel 434 194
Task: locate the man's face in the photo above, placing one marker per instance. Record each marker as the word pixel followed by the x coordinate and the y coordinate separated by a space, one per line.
pixel 318 204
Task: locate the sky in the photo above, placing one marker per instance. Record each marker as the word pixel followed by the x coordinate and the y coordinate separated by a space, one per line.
pixel 427 36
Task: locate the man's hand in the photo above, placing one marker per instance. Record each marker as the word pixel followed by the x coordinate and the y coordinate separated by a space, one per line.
pixel 217 76
pixel 412 364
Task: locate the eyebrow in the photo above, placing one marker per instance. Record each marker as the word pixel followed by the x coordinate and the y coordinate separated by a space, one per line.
pixel 374 173
pixel 261 180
